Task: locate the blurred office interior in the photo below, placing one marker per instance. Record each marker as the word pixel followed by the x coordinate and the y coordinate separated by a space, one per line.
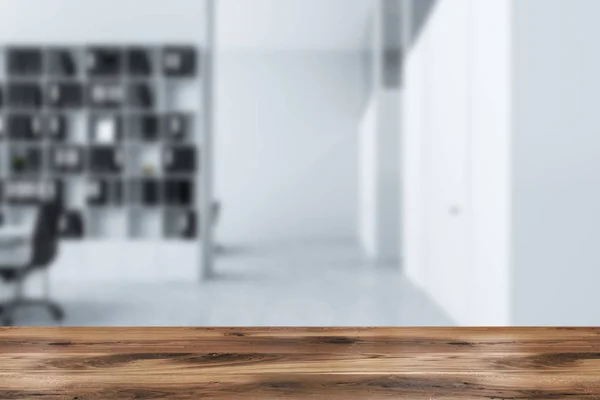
pixel 298 162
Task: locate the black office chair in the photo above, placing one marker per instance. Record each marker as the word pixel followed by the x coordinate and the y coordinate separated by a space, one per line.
pixel 44 248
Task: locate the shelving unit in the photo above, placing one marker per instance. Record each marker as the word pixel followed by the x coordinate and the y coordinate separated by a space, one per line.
pixel 114 131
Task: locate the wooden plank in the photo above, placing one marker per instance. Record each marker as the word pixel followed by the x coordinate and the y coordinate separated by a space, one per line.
pixel 262 363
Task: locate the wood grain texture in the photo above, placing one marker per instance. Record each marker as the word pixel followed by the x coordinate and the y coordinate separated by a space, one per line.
pixel 314 363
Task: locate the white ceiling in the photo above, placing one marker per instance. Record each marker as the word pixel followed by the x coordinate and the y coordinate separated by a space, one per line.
pixel 265 25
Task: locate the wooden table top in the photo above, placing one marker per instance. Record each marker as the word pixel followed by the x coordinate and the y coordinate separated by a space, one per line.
pixel 315 363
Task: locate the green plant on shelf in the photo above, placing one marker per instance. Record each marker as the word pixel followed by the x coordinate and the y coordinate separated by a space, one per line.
pixel 19 164
pixel 149 170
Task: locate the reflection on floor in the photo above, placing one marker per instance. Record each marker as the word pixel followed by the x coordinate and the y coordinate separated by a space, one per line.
pixel 288 285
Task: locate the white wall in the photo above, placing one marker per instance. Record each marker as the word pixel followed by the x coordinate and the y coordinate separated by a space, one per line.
pixel 533 197
pixel 456 169
pixel 533 200
pixel 113 21
pixel 557 196
pixel 287 145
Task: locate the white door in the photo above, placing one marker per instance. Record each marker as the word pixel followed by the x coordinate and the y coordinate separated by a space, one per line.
pixel 447 136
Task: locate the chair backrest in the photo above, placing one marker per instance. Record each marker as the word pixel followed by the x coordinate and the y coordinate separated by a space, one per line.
pixel 46 234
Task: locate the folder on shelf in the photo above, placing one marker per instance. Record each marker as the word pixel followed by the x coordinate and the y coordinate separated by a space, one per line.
pixel 106 131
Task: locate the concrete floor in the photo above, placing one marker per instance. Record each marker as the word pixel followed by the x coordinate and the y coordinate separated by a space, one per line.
pixel 300 284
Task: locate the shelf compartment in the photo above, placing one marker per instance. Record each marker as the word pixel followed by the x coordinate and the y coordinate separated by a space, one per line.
pixel 139 62
pixel 24 96
pixel 179 61
pixel 64 95
pixel 179 192
pixel 26 159
pixel 25 61
pixel 75 188
pixel 78 127
pixel 106 159
pixel 179 159
pixel 102 223
pixel 62 62
pixel 25 127
pixel 106 94
pixel 180 223
pixel 177 127
pixel 146 192
pixel 102 192
pixel 141 95
pixel 31 191
pixel 67 159
pixel 144 159
pixel 104 61
pixel 144 127
pixel 56 127
pixel 106 129
pixel 182 96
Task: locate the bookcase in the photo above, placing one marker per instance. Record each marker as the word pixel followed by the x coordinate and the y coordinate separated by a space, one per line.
pixel 114 132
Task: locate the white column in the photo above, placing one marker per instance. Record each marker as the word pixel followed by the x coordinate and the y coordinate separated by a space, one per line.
pixel 206 195
pixel 378 156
